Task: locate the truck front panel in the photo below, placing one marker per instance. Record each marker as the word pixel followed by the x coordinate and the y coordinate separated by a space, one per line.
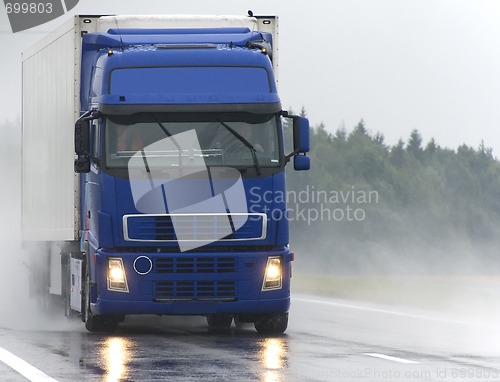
pixel 228 281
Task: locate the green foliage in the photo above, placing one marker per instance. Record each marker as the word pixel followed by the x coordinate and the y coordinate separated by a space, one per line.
pixel 427 196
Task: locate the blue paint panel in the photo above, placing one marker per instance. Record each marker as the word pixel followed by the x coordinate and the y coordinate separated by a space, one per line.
pixel 182 80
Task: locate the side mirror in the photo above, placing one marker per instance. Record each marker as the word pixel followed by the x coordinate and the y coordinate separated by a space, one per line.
pixel 301 134
pixel 82 142
pixel 300 142
pixel 82 137
pixel 82 164
pixel 301 163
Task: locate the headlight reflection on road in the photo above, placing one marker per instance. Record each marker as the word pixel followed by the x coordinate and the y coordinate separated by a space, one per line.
pixel 114 357
pixel 273 356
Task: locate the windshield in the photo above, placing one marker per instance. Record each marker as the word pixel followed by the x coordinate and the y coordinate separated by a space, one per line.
pixel 229 139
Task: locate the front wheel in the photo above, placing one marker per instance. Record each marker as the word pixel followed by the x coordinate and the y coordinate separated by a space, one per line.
pixel 275 323
pixel 96 322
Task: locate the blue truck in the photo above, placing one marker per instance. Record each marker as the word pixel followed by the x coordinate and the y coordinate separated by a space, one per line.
pixel 145 142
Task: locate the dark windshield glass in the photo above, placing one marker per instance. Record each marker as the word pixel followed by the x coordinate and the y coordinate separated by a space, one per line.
pixel 184 140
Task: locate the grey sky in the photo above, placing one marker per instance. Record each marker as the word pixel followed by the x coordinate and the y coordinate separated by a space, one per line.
pixel 433 65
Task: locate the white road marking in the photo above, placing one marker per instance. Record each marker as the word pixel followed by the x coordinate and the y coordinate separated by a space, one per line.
pixel 23 367
pixel 389 358
pixel 393 312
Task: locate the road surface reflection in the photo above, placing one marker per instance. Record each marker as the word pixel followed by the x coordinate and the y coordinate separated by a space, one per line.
pixel 115 355
pixel 273 356
pixel 185 351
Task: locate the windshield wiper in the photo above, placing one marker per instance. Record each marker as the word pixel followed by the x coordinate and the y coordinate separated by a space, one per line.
pixel 169 134
pixel 246 143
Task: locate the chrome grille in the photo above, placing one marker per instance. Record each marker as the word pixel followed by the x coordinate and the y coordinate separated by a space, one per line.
pixel 193 290
pixel 194 227
pixel 195 265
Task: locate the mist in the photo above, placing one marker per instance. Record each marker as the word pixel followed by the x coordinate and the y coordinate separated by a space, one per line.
pixel 19 309
pixel 367 207
pixel 451 282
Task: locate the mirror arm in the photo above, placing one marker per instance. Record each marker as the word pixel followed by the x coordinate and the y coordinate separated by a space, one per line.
pixel 90 115
pixel 291 155
pixel 286 114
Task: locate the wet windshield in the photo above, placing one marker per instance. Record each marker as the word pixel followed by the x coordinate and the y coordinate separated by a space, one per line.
pixel 176 140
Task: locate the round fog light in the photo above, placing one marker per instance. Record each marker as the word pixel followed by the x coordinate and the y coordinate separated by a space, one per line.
pixel 143 265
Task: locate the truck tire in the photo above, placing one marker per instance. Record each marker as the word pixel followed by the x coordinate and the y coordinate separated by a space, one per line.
pixel 275 323
pixel 219 321
pixel 96 322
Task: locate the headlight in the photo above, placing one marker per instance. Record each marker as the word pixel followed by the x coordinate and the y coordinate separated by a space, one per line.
pixel 274 274
pixel 117 279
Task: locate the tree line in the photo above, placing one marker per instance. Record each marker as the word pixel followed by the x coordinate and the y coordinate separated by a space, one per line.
pixel 434 207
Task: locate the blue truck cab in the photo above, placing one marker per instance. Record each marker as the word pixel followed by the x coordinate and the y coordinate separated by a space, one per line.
pixel 179 150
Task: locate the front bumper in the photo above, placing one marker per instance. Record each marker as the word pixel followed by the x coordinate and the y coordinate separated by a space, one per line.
pixel 192 307
pixel 192 284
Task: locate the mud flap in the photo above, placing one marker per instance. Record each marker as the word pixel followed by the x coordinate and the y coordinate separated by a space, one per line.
pixel 76 281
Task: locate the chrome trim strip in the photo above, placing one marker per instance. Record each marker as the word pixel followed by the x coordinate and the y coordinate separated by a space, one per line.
pixel 215 299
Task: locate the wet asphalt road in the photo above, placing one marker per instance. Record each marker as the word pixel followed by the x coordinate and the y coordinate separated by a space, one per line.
pixel 327 340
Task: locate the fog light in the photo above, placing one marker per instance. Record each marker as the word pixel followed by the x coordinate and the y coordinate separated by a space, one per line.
pixel 274 274
pixel 117 279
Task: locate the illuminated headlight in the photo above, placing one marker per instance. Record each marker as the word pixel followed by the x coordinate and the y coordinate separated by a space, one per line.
pixel 117 279
pixel 274 274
